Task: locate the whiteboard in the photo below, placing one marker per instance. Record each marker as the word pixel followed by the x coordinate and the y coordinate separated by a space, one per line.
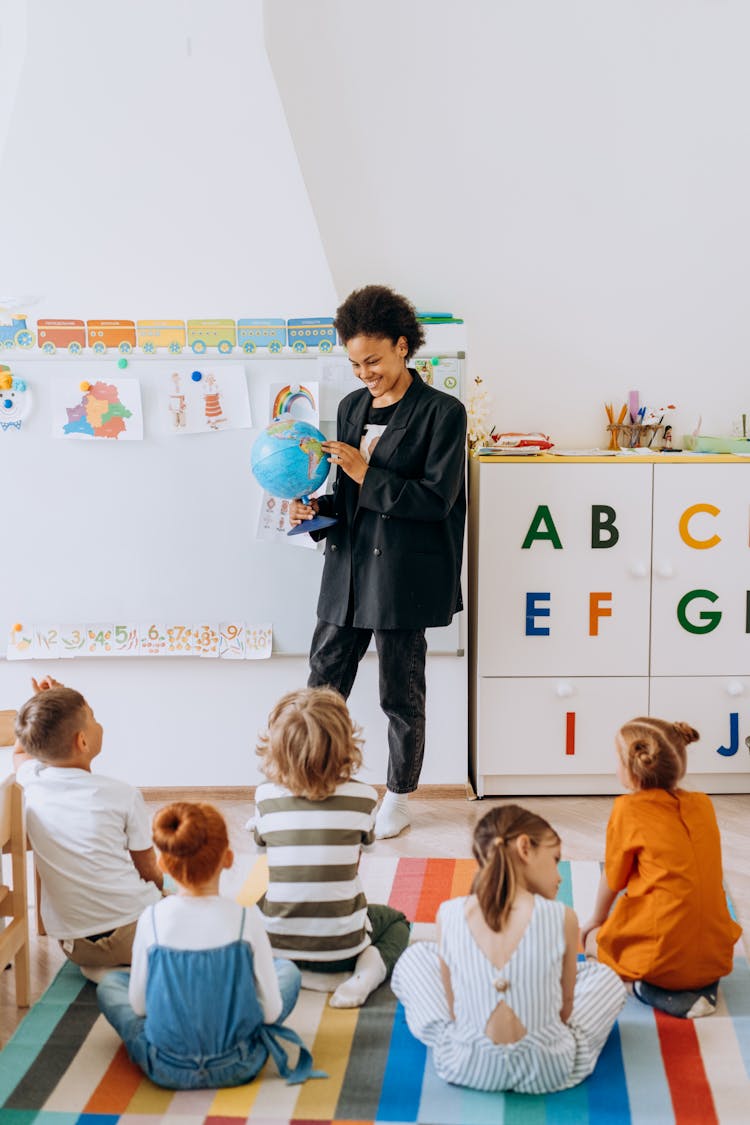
pixel 158 530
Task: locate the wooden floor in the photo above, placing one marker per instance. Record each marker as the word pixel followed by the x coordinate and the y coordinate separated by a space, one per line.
pixel 442 827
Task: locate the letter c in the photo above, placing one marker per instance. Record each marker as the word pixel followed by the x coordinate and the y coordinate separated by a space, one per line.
pixel 687 515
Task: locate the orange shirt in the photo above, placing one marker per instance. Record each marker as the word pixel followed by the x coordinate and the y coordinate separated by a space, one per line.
pixel 672 926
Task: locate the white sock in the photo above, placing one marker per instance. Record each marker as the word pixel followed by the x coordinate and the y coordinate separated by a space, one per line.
pixel 322 982
pixel 393 815
pixel 369 972
pixel 701 1007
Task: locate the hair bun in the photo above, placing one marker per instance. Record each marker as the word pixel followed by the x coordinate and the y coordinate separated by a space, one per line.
pixel 685 731
pixel 179 831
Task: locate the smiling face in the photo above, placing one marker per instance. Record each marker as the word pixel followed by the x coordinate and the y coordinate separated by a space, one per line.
pixel 381 365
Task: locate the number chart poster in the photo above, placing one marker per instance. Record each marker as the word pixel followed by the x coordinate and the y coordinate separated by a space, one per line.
pixel 97 409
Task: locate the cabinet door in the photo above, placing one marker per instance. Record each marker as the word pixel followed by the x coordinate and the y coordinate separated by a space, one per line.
pixel 563 569
pixel 701 569
pixel 719 709
pixel 553 735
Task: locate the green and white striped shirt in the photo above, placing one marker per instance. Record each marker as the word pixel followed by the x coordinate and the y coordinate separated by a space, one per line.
pixel 315 908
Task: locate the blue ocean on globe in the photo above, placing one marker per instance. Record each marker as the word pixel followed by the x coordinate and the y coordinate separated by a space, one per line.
pixel 287 459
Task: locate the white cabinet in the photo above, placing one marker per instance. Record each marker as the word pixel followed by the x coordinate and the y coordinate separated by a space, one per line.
pixel 602 590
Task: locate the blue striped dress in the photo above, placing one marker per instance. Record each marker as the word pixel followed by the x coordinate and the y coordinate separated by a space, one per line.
pixel 552 1055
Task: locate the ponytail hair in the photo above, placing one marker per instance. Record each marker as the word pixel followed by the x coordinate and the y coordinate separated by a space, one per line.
pixel 192 838
pixel 653 751
pixel 496 881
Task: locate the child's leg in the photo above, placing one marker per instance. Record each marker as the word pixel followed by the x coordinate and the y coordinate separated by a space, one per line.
pixel 687 1004
pixel 418 984
pixel 112 997
pixel 389 939
pixel 599 996
pixel 110 951
pixel 591 948
pixel 289 978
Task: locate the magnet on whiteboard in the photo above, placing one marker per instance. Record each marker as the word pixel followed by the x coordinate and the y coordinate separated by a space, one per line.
pixel 196 376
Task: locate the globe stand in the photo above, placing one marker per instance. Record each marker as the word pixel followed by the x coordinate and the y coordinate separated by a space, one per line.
pixel 315 524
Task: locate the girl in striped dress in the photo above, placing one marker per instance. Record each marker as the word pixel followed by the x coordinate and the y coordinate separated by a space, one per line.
pixel 501 998
pixel 314 820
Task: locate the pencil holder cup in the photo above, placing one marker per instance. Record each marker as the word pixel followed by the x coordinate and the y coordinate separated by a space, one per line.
pixel 632 435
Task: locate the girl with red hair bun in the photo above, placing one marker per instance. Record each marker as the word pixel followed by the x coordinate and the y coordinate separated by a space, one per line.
pixel 205 1002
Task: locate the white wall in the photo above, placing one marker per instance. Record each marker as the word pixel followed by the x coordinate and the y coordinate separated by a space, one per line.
pixel 147 170
pixel 572 177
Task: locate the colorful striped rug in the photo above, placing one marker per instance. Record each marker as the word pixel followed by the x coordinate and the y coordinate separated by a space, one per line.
pixel 65 1065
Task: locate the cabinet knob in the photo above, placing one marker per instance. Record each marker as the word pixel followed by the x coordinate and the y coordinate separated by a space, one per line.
pixel 735 687
pixel 664 569
pixel 639 570
pixel 563 690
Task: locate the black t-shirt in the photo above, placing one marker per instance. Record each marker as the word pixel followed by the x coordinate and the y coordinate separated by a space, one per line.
pixel 377 420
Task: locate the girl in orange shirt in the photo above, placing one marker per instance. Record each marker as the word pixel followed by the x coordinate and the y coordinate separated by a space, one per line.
pixel 670 932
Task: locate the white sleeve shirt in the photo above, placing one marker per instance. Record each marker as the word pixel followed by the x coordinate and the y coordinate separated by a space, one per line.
pixel 82 828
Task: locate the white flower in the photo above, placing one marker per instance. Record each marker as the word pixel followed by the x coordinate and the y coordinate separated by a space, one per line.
pixel 478 414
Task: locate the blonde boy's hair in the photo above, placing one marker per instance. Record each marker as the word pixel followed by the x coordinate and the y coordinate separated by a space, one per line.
pixel 312 744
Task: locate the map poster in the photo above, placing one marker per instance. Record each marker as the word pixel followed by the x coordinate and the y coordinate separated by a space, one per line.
pixel 97 409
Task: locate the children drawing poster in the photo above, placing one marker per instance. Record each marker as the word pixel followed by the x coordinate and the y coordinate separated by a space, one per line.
pixel 202 399
pixel 15 401
pixel 443 372
pixel 107 409
pixel 336 377
pixel 274 525
pixel 287 400
pixel 294 400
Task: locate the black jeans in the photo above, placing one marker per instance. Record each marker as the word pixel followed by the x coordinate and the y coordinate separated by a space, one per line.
pixel 335 653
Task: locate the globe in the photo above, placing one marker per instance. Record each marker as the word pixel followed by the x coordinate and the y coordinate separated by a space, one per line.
pixel 287 459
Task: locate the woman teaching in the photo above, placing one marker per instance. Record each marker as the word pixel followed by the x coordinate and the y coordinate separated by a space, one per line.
pixel 393 558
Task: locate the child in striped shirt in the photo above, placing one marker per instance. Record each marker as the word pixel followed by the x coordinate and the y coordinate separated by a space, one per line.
pixel 315 820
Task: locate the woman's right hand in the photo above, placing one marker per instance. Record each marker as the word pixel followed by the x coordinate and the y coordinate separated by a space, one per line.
pixel 298 512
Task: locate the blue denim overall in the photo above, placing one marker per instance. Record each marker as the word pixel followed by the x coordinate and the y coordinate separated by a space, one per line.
pixel 203 1025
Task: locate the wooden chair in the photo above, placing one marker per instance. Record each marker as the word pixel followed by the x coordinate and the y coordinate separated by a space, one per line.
pixel 14 903
pixel 8 738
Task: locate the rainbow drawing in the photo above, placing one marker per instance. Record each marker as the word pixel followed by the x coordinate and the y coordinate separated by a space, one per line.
pixel 287 396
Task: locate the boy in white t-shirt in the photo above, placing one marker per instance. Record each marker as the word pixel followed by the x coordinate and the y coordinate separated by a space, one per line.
pixel 90 834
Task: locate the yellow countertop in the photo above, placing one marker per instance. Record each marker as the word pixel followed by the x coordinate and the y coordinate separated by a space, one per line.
pixel 654 458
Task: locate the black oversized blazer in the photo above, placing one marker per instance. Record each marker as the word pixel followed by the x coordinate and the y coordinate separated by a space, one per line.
pixel 399 538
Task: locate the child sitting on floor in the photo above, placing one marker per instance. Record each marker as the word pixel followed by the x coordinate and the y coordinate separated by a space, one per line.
pixel 205 1002
pixel 90 834
pixel 670 932
pixel 500 998
pixel 314 820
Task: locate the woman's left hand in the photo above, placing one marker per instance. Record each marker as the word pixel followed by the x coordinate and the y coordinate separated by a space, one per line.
pixel 347 458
